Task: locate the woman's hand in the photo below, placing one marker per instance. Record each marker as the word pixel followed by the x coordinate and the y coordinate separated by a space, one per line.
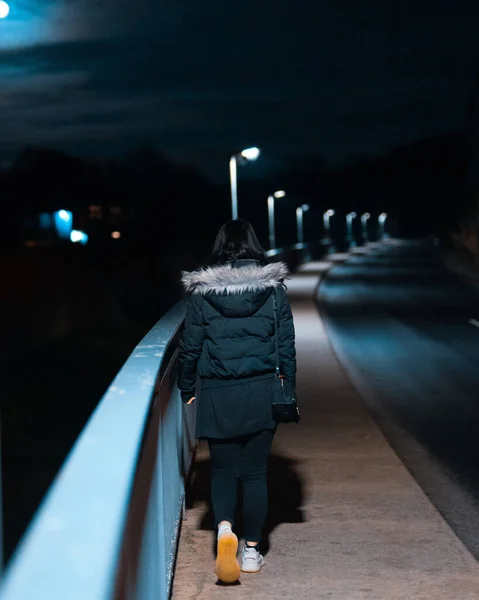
pixel 191 400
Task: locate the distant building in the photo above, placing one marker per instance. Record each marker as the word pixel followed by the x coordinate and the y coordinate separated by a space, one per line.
pixel 100 224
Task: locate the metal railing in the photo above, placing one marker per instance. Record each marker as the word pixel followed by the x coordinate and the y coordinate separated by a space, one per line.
pixel 108 527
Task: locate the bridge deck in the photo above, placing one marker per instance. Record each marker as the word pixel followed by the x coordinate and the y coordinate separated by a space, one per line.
pixel 347 520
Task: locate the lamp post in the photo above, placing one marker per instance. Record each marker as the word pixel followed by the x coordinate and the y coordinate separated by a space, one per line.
pixel 299 221
pixel 364 222
pixel 382 224
pixel 272 234
pixel 327 224
pixel 349 223
pixel 243 157
pixel 326 219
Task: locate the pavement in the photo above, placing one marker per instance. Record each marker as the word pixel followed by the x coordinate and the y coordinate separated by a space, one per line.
pixel 347 520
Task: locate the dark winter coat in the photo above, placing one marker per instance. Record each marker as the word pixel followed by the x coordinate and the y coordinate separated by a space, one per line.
pixel 228 342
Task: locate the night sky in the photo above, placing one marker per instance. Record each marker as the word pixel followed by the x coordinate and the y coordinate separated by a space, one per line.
pixel 338 79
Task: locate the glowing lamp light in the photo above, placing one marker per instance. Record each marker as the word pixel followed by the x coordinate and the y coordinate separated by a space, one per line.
pixel 365 217
pixel 251 153
pixel 304 207
pixel 4 10
pixel 78 237
pixel 63 220
pixel 64 215
pixel 280 194
pixel 329 213
pixel 382 218
pixel 116 235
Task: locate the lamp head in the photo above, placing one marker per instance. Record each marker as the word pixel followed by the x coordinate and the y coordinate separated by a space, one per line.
pixel 251 153
pixel 78 237
pixel 4 9
pixel 64 215
pixel 280 194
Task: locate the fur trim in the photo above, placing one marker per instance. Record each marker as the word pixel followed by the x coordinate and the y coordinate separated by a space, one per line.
pixel 234 280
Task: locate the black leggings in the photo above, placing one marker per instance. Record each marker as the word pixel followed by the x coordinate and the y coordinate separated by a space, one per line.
pixel 244 458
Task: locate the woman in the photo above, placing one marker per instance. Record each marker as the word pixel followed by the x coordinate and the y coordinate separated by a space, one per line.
pixel 227 358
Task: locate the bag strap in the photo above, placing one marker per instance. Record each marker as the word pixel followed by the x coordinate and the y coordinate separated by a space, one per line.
pixel 276 336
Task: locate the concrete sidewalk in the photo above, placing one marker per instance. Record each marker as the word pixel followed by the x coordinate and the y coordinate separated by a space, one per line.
pixel 347 520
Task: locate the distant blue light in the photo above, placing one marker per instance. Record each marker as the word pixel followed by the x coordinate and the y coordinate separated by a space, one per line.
pixel 46 221
pixel 78 237
pixel 63 223
pixel 64 215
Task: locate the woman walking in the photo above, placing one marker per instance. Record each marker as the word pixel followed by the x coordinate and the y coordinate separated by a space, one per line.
pixel 227 360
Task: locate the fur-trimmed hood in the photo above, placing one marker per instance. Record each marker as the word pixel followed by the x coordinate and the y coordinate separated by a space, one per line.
pixel 228 279
pixel 237 289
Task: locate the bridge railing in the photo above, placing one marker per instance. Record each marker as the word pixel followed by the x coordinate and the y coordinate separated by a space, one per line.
pixel 108 526
pixel 107 529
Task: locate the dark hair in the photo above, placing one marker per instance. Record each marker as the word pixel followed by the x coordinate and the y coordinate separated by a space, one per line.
pixel 237 240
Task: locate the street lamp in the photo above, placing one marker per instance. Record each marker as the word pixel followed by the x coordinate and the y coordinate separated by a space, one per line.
pixel 77 236
pixel 349 223
pixel 243 157
pixel 382 223
pixel 299 221
pixel 4 9
pixel 326 220
pixel 250 153
pixel 364 221
pixel 272 234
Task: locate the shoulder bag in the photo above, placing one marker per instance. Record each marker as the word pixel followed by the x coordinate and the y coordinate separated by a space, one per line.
pixel 285 406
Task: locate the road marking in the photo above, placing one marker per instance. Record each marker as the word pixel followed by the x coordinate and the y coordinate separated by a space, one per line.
pixel 474 322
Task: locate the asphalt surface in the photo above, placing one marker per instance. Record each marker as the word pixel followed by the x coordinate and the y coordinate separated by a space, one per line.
pixel 407 333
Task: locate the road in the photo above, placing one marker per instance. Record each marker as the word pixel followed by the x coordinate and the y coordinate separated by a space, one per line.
pixel 407 333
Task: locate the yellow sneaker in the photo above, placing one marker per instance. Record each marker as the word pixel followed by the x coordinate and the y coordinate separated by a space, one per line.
pixel 227 565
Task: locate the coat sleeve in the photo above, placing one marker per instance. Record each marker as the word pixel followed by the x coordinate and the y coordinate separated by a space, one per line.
pixel 190 347
pixel 287 349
